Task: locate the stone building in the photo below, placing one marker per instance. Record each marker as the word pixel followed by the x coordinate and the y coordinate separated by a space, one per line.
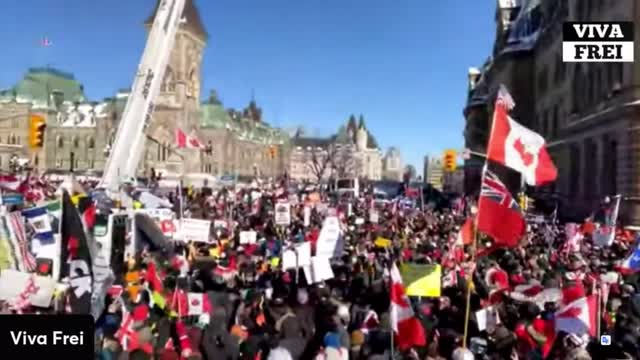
pixel 586 111
pixel 435 173
pixel 351 152
pixel 392 165
pixel 79 132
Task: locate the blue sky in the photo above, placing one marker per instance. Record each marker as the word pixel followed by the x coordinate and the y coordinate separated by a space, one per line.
pixel 401 63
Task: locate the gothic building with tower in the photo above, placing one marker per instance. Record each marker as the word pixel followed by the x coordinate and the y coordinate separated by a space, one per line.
pixel 79 132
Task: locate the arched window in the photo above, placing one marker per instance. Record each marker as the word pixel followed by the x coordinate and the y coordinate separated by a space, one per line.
pixel 91 144
pixel 75 142
pixel 12 139
pixel 59 142
pixel 168 84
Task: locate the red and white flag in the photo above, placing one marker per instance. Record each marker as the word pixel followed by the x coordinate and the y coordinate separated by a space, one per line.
pixel 198 304
pixel 184 141
pixel 517 147
pixel 465 235
pixel 407 328
pixel 579 316
pixel 10 182
pixel 499 214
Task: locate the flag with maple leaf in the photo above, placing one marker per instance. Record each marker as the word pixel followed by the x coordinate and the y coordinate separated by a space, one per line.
pixel 515 146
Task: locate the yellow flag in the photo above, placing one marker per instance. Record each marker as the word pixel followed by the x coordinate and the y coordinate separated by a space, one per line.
pixel 275 262
pixel 75 199
pixel 422 280
pixel 214 252
pixel 382 242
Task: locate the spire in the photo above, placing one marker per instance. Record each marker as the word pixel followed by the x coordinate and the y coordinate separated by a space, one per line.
pixel 361 122
pixel 191 14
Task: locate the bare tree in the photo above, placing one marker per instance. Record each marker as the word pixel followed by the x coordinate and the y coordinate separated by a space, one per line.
pixel 319 160
pixel 344 162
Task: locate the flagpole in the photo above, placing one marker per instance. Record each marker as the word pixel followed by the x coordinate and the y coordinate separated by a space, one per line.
pixel 469 277
pixel 508 104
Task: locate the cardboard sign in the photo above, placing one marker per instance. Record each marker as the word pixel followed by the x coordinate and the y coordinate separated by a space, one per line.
pixel 319 270
pixel 283 214
pixel 195 230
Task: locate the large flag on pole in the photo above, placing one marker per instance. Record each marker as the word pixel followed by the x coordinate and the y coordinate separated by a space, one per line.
pixel 499 215
pixel 515 146
pixel 407 328
pixel 75 257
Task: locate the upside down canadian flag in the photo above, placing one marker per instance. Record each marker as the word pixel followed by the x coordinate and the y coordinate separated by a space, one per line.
pixel 515 146
pixel 407 328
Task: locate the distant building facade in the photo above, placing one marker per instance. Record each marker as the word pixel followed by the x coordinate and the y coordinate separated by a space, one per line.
pixel 79 132
pixel 435 173
pixel 453 182
pixel 392 165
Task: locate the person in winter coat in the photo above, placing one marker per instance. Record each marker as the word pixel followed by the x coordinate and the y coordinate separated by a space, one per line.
pixel 217 342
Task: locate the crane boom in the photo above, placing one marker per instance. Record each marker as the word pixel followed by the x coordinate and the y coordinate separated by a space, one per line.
pixel 129 141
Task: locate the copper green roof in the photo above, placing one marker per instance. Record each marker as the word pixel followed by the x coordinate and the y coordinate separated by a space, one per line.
pixel 39 84
pixel 214 116
pixel 191 13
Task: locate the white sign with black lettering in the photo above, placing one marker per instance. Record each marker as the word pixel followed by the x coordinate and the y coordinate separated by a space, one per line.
pixel 597 41
pixel 283 214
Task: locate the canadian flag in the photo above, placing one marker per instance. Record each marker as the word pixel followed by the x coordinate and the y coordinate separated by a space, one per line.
pixel 198 304
pixel 517 147
pixel 185 141
pixel 579 316
pixel 407 328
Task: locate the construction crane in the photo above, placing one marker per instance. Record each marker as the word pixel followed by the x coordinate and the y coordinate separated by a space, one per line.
pixel 128 146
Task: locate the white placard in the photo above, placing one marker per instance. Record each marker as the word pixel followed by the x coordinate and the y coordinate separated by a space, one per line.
pixel 248 237
pixel 328 238
pixel 283 214
pixel 359 221
pixel 13 282
pixel 374 217
pixel 303 251
pixel 319 270
pixel 487 318
pixel 307 216
pixel 195 230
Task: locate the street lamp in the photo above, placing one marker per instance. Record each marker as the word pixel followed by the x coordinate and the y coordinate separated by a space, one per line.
pixel 473 76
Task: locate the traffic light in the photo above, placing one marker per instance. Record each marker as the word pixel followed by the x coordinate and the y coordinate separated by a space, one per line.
pixel 37 126
pixel 450 160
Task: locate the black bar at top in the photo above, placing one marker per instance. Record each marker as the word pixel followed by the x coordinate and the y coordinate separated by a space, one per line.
pixel 569 33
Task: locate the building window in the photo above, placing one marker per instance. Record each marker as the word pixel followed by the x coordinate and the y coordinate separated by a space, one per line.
pixel 58 163
pixel 12 139
pixel 574 171
pixel 59 142
pixel 612 174
pixel 168 84
pixel 543 78
pixel 92 164
pixel 577 89
pixel 76 142
pixel 91 143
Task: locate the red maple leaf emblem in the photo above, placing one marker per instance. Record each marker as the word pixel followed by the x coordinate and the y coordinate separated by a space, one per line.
pixel 195 302
pixel 527 157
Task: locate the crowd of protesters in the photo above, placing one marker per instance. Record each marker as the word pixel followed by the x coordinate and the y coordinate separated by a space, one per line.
pixel 252 309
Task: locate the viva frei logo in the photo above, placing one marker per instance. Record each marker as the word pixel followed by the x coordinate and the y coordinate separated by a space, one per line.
pixel 597 41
